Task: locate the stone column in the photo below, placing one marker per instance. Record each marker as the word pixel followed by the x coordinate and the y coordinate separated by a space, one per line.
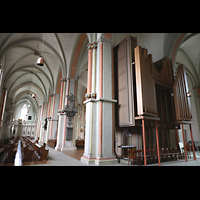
pixel 4 97
pixel 90 105
pixel 40 123
pixel 99 110
pixel 61 115
pixel 48 119
pixel 60 131
pixel 70 111
pixel 54 118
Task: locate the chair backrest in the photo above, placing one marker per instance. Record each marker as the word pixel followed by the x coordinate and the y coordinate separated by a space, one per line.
pixel 131 153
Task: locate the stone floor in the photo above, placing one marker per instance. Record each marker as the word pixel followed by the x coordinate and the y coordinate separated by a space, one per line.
pixel 57 158
pixel 72 158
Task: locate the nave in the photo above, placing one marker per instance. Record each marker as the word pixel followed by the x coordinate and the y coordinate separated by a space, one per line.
pixel 106 92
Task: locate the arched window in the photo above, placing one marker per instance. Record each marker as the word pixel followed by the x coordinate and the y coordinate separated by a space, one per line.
pixel 24 112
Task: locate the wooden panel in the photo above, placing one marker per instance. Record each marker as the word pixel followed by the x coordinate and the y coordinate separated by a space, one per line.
pixel 181 101
pixel 145 84
pixel 125 83
pixel 163 72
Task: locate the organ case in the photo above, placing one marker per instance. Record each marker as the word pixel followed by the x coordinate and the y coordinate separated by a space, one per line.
pixel 181 101
pixel 145 83
pixel 136 80
pixel 124 55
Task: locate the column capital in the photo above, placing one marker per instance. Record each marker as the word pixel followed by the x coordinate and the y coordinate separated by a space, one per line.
pixel 63 79
pixel 94 45
pixel 90 46
pixel 52 94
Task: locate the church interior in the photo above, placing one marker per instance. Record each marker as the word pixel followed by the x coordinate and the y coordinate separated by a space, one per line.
pixel 130 99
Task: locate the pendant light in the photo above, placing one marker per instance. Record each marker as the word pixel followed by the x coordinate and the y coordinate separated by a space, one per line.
pixel 40 61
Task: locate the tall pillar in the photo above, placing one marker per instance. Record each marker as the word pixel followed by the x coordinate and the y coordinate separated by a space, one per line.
pixel 198 93
pixel 2 110
pixel 54 118
pixel 44 122
pixel 99 108
pixel 40 124
pixel 89 82
pixel 48 118
pixel 61 115
pixel 70 111
pixel 4 97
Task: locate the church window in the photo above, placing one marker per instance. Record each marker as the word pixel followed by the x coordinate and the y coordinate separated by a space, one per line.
pixel 24 112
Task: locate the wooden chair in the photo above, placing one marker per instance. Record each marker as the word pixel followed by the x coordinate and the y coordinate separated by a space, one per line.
pixel 139 156
pixel 131 156
pixel 188 148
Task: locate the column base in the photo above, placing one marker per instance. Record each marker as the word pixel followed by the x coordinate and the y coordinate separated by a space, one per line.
pixel 87 161
pixel 68 148
pixel 106 161
pixel 58 148
pixel 97 161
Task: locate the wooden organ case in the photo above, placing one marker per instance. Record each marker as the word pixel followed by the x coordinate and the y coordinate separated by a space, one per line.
pixel 124 56
pixel 144 91
pixel 137 82
pixel 181 100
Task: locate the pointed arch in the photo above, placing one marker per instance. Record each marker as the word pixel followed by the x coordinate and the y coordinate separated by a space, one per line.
pixel 76 55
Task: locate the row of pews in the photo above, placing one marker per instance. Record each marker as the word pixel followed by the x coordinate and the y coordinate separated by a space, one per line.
pixel 166 154
pixel 32 151
pixel 8 149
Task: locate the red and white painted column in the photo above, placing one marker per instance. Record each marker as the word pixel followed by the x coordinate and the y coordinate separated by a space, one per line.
pixel 61 115
pixel 99 133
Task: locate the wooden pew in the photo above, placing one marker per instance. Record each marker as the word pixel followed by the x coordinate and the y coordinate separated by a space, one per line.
pixel 40 153
pixel 27 152
pixel 11 151
pixel 52 143
pixel 35 151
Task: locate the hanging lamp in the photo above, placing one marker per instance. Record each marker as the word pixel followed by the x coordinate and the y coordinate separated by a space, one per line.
pixel 40 61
